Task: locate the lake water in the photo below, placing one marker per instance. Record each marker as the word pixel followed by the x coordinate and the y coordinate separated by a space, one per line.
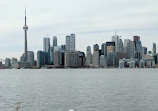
pixel 79 89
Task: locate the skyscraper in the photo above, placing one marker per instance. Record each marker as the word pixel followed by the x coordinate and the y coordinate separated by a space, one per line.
pixel 88 56
pixel 31 57
pixel 138 54
pixel 112 59
pixel 103 61
pixel 103 49
pixel 120 45
pixel 25 30
pixel 154 48
pixel 57 56
pixel 110 46
pixel 131 50
pixel 135 39
pixel 46 49
pixel 95 60
pixel 70 42
pixel 81 59
pixel 126 42
pixel 40 59
pixel 54 41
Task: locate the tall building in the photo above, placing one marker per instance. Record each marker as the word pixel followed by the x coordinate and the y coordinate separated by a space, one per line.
pixel 88 56
pixel 31 57
pixel 135 39
pixel 81 59
pixel 112 59
pixel 25 30
pixel 139 50
pixel 95 60
pixel 103 61
pixel 120 45
pixel 46 49
pixel 130 49
pixel 51 55
pixel 67 46
pixel 110 46
pixel 62 54
pixel 57 56
pixel 154 48
pixel 70 42
pixel 103 49
pixel 40 59
pixel 126 42
pixel 54 41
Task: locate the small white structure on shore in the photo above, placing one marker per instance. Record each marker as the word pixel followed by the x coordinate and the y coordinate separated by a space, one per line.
pixel 132 64
pixel 121 64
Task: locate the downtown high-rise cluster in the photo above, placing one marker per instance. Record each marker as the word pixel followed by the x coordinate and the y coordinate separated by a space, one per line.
pixel 111 54
pixel 114 53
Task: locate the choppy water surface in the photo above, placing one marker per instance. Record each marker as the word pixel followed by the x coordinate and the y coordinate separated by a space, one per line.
pixel 79 89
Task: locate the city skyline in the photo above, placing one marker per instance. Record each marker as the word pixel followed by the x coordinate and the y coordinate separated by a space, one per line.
pixel 87 28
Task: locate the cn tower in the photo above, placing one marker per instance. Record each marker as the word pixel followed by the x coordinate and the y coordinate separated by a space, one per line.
pixel 25 30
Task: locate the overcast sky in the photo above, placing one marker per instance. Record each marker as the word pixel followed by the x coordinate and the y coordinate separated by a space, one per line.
pixel 93 21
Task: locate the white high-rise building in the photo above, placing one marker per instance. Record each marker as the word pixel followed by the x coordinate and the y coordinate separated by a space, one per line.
pixel 70 42
pixel 46 44
pixel 67 43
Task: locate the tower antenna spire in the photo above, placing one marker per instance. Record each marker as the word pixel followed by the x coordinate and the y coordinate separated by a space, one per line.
pixel 25 28
pixel 25 14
